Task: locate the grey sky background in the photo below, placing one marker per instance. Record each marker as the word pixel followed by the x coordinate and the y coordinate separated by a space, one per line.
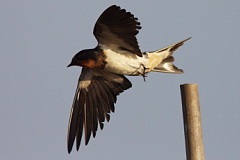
pixel 38 40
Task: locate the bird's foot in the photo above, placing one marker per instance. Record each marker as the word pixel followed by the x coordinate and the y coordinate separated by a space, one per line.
pixel 144 73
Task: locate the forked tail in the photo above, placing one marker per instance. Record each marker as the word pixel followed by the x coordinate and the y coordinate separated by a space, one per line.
pixel 162 59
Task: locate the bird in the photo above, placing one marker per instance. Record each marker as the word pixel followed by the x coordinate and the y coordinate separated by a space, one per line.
pixel 104 68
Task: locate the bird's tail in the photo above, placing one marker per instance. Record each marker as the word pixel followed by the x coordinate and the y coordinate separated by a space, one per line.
pixel 162 59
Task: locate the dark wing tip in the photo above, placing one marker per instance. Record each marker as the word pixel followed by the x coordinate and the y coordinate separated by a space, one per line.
pixel 69 149
pixel 70 143
pixel 116 14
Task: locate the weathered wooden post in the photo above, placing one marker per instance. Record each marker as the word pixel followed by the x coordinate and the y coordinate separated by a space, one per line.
pixel 192 122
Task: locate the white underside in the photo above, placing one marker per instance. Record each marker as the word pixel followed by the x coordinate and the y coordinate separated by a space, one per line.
pixel 124 63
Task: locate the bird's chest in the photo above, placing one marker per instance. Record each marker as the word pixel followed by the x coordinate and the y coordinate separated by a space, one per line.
pixel 125 64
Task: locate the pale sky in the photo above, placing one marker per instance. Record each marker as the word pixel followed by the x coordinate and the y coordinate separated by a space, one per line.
pixel 38 40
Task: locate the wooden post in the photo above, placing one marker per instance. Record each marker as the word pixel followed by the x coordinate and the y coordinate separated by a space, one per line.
pixel 192 122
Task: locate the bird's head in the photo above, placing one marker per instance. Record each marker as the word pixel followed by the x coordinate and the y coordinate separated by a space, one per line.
pixel 83 58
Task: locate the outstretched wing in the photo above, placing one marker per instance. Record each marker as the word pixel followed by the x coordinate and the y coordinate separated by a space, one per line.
pixel 94 99
pixel 116 29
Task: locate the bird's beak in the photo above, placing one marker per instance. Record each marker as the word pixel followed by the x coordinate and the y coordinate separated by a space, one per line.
pixel 70 65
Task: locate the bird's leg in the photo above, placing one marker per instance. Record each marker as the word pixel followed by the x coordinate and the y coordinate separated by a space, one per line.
pixel 144 73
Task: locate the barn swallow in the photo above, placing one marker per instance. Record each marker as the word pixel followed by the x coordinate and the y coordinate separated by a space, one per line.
pixel 103 69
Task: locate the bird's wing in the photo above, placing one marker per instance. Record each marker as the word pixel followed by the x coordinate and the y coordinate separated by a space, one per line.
pixel 94 99
pixel 116 29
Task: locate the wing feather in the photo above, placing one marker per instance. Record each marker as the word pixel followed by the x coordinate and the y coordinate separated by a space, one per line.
pixel 116 29
pixel 88 119
pixel 94 100
pixel 79 131
pixel 73 121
